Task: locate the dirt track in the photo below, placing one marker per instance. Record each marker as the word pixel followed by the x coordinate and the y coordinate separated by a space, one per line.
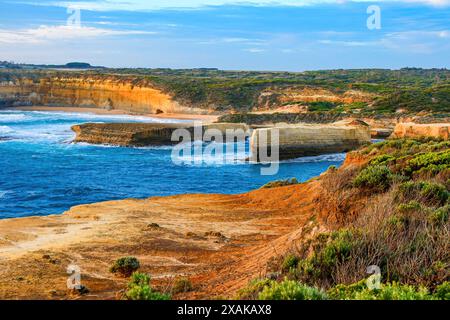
pixel 253 227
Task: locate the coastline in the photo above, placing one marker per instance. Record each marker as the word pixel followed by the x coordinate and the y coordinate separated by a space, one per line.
pixel 178 116
pixel 200 236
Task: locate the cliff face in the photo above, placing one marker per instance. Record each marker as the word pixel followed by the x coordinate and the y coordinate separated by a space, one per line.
pixel 140 95
pixel 125 134
pixel 415 130
pixel 142 134
pixel 310 140
pixel 105 93
pixel 294 98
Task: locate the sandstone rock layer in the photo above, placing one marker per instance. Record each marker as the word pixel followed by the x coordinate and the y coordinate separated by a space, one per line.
pixel 91 92
pixel 309 140
pixel 415 130
pixel 147 134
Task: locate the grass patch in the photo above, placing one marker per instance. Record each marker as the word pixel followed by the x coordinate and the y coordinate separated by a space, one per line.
pixel 139 289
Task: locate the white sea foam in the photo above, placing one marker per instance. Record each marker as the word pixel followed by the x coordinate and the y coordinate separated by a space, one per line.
pixel 3 194
pixel 102 117
pixel 334 157
pixel 5 130
pixel 10 117
pixel 46 125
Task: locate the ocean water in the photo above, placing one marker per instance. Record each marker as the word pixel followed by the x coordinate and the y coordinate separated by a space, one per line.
pixel 42 172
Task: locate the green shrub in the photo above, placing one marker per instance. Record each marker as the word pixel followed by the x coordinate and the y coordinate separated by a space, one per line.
pixel 443 291
pixel 412 206
pixel 280 183
pixel 125 266
pixel 321 106
pixel 252 290
pixel 290 290
pixel 182 285
pixel 390 291
pixel 440 215
pixel 329 251
pixel 290 262
pixel 139 289
pixel 382 159
pixel 434 192
pixel 431 162
pixel 375 178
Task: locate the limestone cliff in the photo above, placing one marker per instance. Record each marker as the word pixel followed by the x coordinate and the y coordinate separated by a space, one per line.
pixel 294 98
pixel 139 94
pixel 310 140
pixel 106 92
pixel 142 134
pixel 415 130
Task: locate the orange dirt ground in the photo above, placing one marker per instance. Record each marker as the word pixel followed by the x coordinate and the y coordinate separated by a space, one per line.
pixel 254 227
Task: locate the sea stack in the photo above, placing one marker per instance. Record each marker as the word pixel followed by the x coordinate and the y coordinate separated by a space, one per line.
pixel 302 140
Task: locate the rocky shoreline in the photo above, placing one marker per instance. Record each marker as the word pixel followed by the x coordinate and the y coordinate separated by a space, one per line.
pixel 220 242
pixel 294 140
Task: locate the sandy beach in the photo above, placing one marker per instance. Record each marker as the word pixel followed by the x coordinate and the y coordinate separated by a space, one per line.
pixel 181 116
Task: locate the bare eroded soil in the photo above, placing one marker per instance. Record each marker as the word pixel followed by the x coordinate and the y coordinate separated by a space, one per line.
pixel 220 242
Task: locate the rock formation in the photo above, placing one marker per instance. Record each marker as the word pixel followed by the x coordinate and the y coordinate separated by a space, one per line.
pixel 415 130
pixel 143 134
pixel 137 94
pixel 93 92
pixel 380 133
pixel 309 140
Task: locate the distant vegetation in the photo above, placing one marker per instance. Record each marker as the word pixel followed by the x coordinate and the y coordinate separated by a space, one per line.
pixel 410 89
pixel 24 66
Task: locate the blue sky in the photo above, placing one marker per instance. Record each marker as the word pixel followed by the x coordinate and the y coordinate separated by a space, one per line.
pixel 291 35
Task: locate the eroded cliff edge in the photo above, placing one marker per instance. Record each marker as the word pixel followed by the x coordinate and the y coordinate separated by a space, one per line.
pixel 155 93
pixel 104 92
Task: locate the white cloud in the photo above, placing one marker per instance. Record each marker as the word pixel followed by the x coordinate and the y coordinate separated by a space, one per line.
pixel 350 43
pixel 45 33
pixel 145 5
pixel 436 3
pixel 412 41
pixel 255 50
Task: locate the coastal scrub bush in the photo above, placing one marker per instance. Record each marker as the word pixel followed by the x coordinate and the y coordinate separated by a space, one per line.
pixel 400 225
pixel 388 291
pixel 430 193
pixel 252 290
pixel 440 215
pixel 430 162
pixel 280 183
pixel 290 262
pixel 139 289
pixel 375 178
pixel 290 290
pixel 125 266
pixel 329 251
pixel 182 285
pixel 443 291
pixel 434 192
pixel 382 159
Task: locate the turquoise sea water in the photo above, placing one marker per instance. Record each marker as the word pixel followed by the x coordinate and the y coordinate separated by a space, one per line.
pixel 42 172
